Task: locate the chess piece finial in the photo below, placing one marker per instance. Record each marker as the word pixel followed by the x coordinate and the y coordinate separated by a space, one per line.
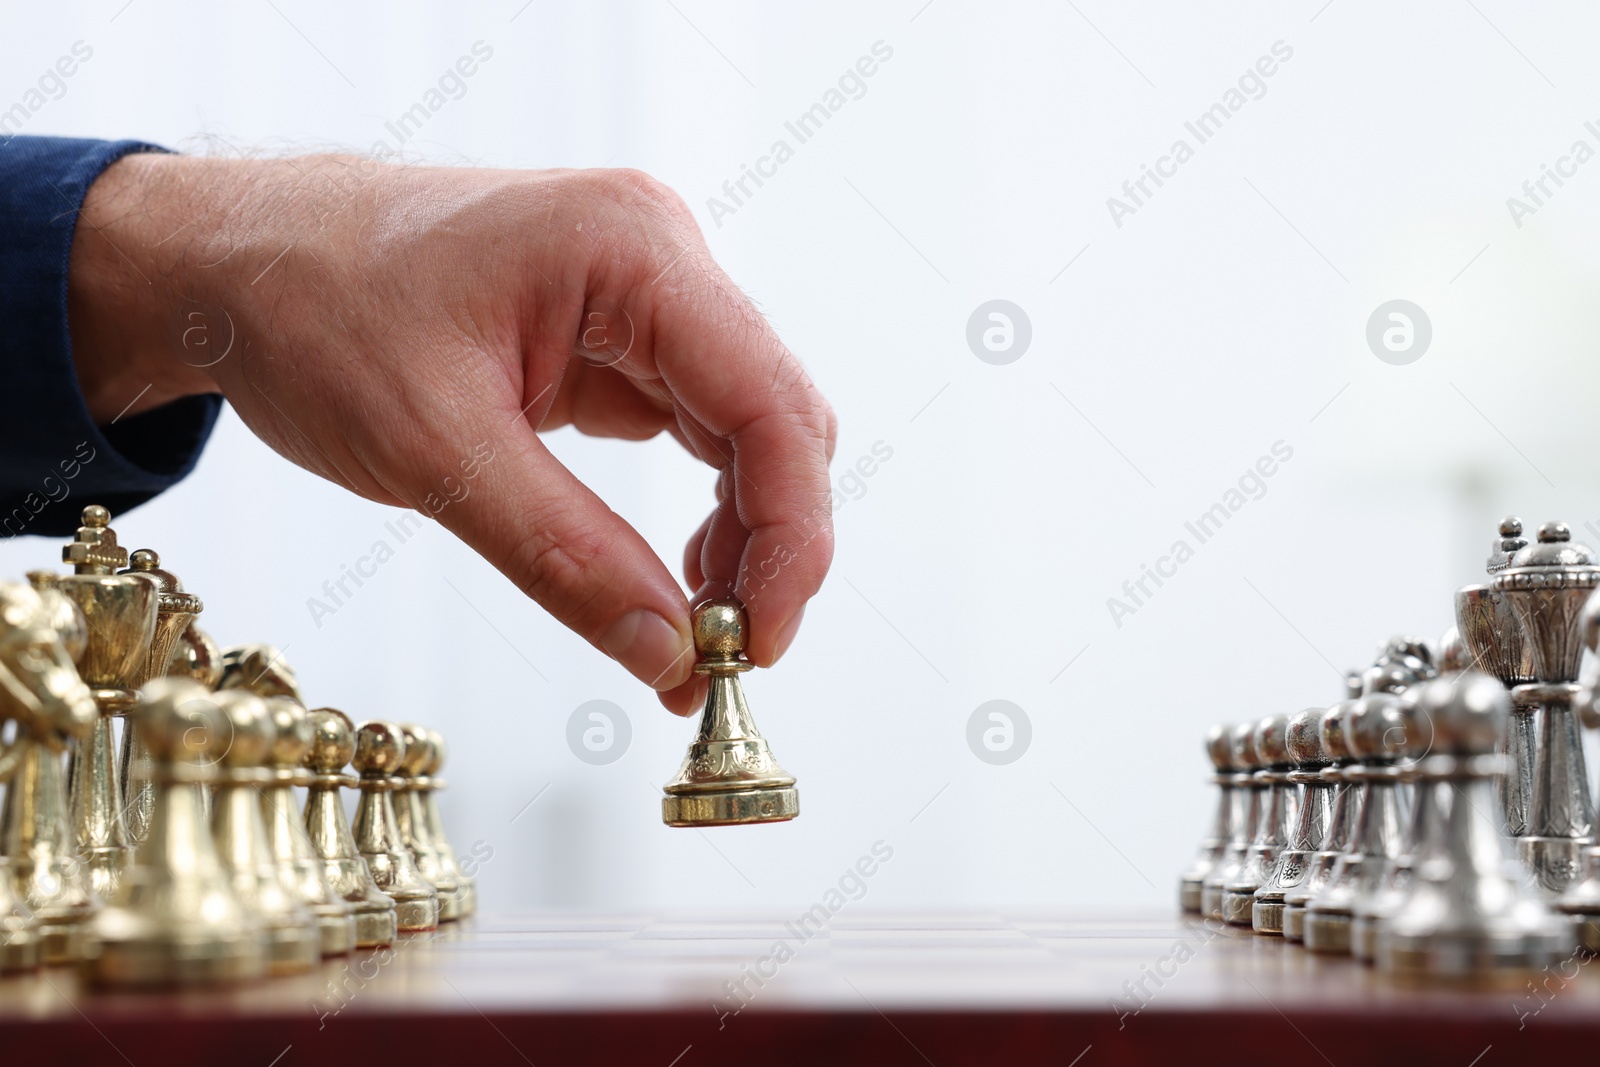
pixel 176 919
pixel 380 748
pixel 175 610
pixel 1344 813
pixel 1548 584
pixel 412 818
pixel 1303 740
pixel 293 943
pixel 1469 911
pixel 1274 826
pixel 45 900
pixel 1371 726
pixel 120 612
pixel 1242 823
pixel 259 668
pixel 441 841
pixel 196 657
pixel 1509 543
pixel 1220 751
pixel 299 867
pixel 333 743
pixel 729 774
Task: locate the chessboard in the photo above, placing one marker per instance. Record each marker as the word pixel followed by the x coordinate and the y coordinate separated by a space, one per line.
pixel 1080 989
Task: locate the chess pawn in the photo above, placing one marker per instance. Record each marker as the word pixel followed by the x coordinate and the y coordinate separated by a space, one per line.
pixel 299 867
pixel 411 817
pixel 1220 749
pixel 1242 820
pixel 195 655
pixel 1495 643
pixel 1344 811
pixel 333 743
pixel 175 610
pixel 1303 739
pixel 1471 910
pixel 729 774
pixel 380 748
pixel 120 611
pixel 430 807
pixel 176 919
pixel 260 669
pixel 1379 828
pixel 1274 824
pixel 1548 584
pixel 1409 741
pixel 242 844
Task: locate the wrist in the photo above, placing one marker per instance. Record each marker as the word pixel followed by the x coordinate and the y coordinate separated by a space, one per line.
pixel 135 346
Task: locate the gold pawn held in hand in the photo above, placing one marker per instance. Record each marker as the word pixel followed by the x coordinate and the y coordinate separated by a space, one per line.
pixel 729 775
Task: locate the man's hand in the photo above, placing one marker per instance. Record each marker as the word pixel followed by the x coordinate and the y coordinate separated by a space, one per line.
pixel 384 326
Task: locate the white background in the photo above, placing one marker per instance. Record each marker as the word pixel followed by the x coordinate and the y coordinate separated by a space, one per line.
pixel 1227 314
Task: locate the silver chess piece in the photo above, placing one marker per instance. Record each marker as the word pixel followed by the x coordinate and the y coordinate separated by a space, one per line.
pixel 333 742
pixel 176 919
pixel 1581 900
pixel 1411 742
pixel 293 943
pixel 1242 821
pixel 1379 829
pixel 1344 811
pixel 1548 583
pixel 1274 825
pixel 380 747
pixel 1495 644
pixel 1220 749
pixel 412 817
pixel 1313 819
pixel 1471 909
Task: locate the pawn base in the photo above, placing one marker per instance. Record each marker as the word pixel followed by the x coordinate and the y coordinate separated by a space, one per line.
pixel 417 914
pixel 731 808
pixel 1189 892
pixel 1328 932
pixel 1237 906
pixel 336 932
pixel 1294 922
pixel 1266 917
pixel 61 942
pixel 375 928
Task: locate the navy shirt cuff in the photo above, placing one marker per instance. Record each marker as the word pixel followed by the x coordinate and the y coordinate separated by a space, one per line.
pixel 50 448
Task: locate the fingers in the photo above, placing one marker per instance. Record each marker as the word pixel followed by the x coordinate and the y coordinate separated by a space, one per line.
pixel 772 535
pixel 562 545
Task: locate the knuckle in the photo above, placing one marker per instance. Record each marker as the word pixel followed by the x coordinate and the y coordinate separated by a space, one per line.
pixel 561 574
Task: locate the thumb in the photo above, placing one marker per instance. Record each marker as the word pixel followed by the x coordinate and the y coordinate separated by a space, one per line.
pixel 559 542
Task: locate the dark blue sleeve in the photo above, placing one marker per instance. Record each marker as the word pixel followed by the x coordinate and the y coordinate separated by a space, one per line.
pixel 51 451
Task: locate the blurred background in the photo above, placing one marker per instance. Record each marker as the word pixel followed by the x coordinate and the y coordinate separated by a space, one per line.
pixel 1042 374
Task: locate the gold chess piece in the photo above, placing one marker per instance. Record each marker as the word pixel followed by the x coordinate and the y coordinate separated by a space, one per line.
pixel 380 748
pixel 261 669
pixel 411 816
pixel 195 655
pixel 333 742
pixel 176 919
pixel 298 864
pixel 175 610
pixel 120 612
pixel 429 786
pixel 293 944
pixel 729 775
pixel 42 634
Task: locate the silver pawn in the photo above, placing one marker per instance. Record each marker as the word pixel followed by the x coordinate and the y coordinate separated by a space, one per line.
pixel 1274 824
pixel 1379 829
pixel 1242 822
pixel 1548 584
pixel 1471 908
pixel 1344 811
pixel 1315 809
pixel 1220 749
pixel 1495 643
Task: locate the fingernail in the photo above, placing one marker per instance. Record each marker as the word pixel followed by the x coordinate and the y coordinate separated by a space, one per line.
pixel 787 634
pixel 651 649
